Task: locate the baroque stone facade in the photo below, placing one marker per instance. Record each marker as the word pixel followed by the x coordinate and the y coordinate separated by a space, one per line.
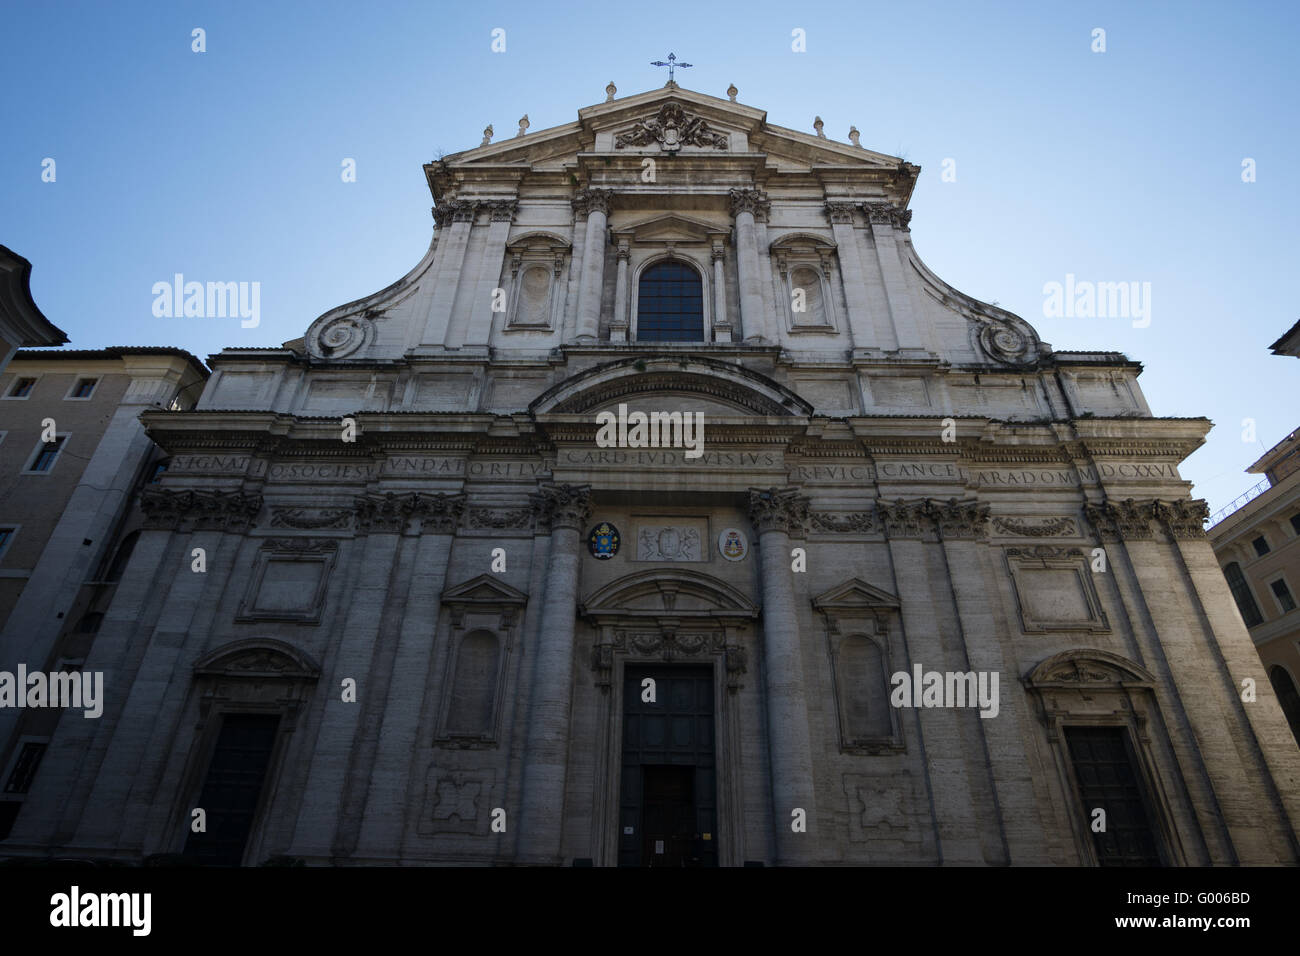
pixel 467 632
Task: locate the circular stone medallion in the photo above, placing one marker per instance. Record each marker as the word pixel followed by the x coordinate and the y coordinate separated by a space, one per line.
pixel 732 544
pixel 602 542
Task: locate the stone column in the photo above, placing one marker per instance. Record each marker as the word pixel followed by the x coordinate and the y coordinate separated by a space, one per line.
pixel 127 776
pixel 855 285
pixel 1116 524
pixel 721 321
pixel 1204 685
pixel 774 514
pixel 383 764
pixel 494 252
pixel 744 204
pixel 451 253
pixel 370 573
pixel 1010 832
pixel 884 219
pixel 1259 722
pixel 595 203
pixel 618 326
pixel 541 819
pixel 909 530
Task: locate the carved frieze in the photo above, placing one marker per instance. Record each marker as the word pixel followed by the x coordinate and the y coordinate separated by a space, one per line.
pixel 667 645
pixel 672 128
pixel 311 519
pixel 842 521
pixel 1046 528
pixel 499 518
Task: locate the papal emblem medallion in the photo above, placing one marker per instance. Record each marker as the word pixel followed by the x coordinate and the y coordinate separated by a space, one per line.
pixel 732 544
pixel 602 542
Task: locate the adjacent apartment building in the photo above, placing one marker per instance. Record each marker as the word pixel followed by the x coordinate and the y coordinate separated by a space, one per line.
pixel 73 456
pixel 1258 545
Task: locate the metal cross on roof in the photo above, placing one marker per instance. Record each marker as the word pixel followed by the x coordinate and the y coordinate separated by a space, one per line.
pixel 672 64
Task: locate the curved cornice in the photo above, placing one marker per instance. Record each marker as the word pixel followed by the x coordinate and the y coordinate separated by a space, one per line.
pixel 659 581
pixel 1072 666
pixel 23 321
pixel 710 378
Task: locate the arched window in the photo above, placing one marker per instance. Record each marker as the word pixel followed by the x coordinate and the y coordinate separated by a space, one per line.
pixel 865 689
pixel 1287 696
pixel 1241 594
pixel 474 687
pixel 670 304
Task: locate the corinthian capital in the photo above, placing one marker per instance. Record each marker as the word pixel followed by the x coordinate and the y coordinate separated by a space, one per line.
pixel 905 519
pixel 1115 520
pixel 748 200
pixel 959 519
pixel 593 200
pixel 886 214
pixel 438 514
pixel 503 210
pixel 840 212
pixel 200 510
pixel 777 509
pixel 386 513
pixel 562 506
pixel 1184 518
pixel 455 210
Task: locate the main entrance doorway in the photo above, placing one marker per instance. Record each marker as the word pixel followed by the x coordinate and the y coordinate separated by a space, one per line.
pixel 232 788
pixel 668 801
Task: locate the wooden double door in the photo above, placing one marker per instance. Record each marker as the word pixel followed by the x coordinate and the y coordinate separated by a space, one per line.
pixel 668 798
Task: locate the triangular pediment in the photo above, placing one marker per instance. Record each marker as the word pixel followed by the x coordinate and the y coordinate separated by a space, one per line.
pixel 669 119
pixel 854 594
pixel 669 228
pixel 484 590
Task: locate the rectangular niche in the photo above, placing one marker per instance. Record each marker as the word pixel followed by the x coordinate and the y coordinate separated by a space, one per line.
pixel 449 392
pixel 289 581
pixel 900 392
pixel 1054 590
pixel 661 538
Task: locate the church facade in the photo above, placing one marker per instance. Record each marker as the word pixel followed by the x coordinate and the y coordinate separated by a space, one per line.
pixel 671 511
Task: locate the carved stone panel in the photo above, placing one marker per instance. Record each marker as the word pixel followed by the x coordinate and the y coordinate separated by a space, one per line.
pixel 1054 590
pixel 684 540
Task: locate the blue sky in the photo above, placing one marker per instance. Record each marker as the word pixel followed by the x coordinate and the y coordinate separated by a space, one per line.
pixel 1115 166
